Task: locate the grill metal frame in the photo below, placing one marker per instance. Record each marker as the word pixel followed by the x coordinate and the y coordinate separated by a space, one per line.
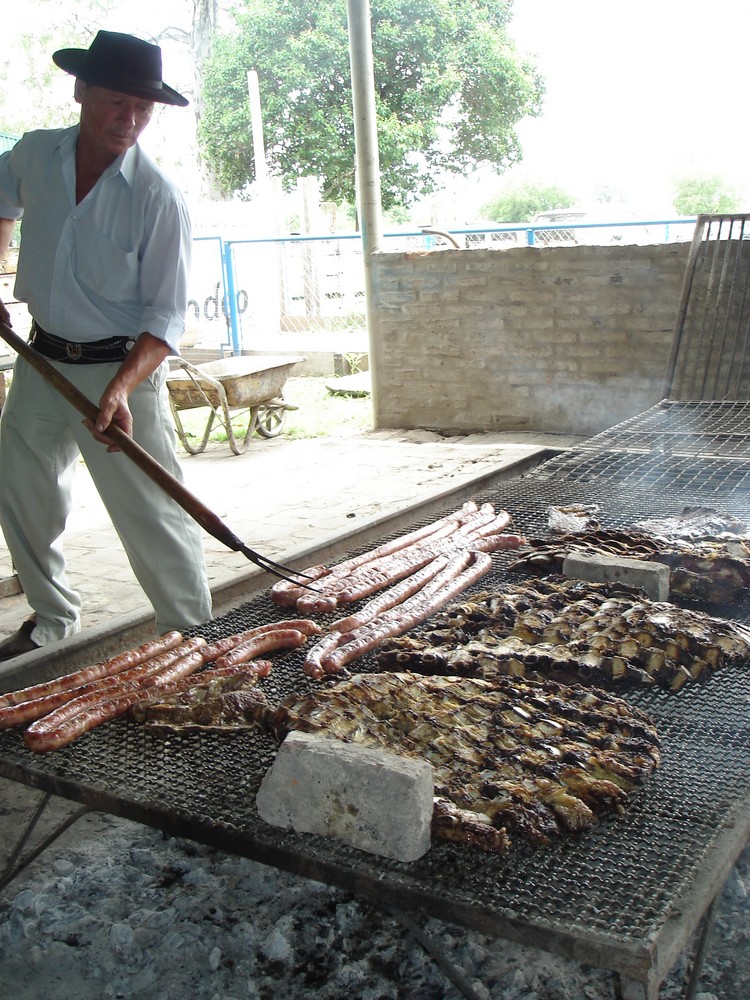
pixel 626 895
pixel 710 356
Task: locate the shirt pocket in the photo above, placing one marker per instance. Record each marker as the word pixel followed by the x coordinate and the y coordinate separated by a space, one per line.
pixel 105 268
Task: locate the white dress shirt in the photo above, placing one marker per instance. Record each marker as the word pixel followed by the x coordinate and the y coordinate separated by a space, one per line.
pixel 115 265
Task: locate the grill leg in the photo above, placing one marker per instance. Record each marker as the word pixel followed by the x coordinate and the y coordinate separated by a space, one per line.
pixel 433 949
pixel 631 989
pixel 14 867
pixel 701 948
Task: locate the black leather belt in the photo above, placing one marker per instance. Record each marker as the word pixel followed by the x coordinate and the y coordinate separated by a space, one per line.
pixel 94 352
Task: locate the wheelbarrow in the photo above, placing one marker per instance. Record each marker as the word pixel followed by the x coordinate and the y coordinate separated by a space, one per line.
pixel 243 385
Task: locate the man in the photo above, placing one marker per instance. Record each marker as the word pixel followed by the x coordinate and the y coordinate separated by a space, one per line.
pixel 103 267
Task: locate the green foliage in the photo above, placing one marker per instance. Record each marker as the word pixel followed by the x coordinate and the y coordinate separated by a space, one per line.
pixel 450 89
pixel 34 93
pixel 522 203
pixel 705 195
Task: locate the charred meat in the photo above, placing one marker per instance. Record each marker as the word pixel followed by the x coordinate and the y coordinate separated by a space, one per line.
pixel 514 760
pixel 571 631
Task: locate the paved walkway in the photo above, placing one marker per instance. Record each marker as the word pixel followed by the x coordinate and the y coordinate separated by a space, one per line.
pixel 280 497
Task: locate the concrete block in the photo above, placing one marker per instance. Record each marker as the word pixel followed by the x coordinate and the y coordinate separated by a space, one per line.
pixel 376 801
pixel 651 577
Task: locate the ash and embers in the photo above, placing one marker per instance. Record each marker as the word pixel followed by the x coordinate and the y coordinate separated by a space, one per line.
pixel 120 912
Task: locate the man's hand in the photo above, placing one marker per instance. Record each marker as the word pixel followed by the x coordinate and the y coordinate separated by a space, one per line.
pixel 113 409
pixel 146 356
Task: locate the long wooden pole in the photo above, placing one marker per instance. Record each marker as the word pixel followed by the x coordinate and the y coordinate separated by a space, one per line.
pixel 211 522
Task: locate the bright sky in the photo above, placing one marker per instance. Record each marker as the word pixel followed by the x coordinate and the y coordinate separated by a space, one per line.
pixel 638 93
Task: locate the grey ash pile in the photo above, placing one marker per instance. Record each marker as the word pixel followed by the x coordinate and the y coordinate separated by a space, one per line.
pixel 119 912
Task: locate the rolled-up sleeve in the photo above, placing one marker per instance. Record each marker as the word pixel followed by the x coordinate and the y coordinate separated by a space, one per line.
pixel 165 270
pixel 10 188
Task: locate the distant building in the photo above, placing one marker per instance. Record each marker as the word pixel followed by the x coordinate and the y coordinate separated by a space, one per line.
pixel 7 141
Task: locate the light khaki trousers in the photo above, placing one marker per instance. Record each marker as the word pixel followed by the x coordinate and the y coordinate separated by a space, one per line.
pixel 41 439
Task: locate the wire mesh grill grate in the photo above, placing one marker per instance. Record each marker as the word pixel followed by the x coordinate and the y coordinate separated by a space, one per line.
pixel 696 447
pixel 618 881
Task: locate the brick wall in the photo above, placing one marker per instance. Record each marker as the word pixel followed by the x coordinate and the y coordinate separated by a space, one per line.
pixel 560 339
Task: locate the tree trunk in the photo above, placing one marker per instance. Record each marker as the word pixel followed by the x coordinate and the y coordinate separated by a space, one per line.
pixel 205 18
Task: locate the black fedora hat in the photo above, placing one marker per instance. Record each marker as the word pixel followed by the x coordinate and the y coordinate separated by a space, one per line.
pixel 123 63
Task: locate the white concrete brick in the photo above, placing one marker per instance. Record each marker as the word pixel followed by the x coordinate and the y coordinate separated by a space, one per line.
pixel 376 801
pixel 651 577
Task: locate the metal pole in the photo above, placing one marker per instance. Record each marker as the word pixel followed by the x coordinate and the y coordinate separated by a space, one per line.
pixel 233 321
pixel 256 122
pixel 367 159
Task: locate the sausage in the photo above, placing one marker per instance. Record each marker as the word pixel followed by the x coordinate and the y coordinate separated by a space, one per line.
pixel 304 625
pixel 443 526
pixel 309 604
pixel 398 566
pixel 391 597
pixel 267 642
pixel 286 594
pixel 416 609
pixel 139 677
pixel 221 646
pixel 374 576
pixel 313 665
pixel 28 711
pixel 482 518
pixel 85 713
pixel 86 675
pixel 491 527
pixel 498 543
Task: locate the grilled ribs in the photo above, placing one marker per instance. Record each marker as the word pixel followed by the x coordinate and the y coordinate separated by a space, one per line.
pixel 513 759
pixel 574 632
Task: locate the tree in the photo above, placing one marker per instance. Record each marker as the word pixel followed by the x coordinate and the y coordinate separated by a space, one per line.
pixel 181 27
pixel 34 93
pixel 707 194
pixel 450 89
pixel 522 203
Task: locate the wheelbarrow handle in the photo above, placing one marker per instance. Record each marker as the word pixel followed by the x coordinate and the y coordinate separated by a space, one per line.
pixel 211 522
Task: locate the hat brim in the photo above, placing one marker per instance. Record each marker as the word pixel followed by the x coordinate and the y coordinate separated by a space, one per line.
pixel 73 61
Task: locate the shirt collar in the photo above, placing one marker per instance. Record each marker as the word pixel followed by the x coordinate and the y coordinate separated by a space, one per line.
pixel 125 164
pixel 66 144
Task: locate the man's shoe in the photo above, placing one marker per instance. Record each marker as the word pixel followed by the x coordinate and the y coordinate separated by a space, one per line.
pixel 20 642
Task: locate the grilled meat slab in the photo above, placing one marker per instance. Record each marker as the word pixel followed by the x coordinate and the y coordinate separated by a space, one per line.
pixel 695 523
pixel 709 571
pixel 513 759
pixel 229 704
pixel 572 631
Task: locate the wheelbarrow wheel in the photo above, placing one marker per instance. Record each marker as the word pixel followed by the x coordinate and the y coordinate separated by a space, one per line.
pixel 271 420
